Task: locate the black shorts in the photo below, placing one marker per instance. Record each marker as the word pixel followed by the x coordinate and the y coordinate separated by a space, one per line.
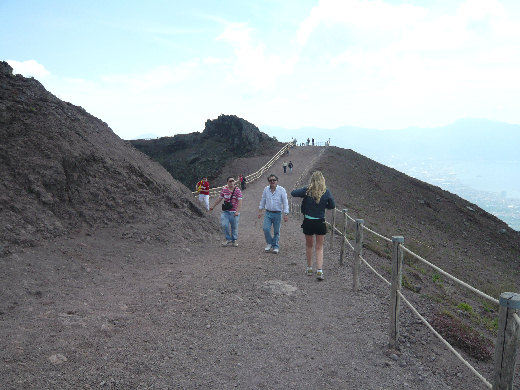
pixel 314 226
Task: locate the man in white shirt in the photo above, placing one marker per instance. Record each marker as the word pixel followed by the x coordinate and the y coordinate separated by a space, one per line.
pixel 274 201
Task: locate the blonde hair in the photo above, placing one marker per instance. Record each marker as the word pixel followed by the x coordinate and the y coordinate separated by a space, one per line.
pixel 316 186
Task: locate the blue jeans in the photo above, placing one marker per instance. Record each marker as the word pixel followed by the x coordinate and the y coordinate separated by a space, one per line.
pixel 272 219
pixel 227 220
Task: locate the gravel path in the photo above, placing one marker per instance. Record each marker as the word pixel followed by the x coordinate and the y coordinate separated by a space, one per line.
pixel 119 309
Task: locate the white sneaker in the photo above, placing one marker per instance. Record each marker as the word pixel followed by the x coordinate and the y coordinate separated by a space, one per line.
pixel 226 243
pixel 276 250
pixel 234 243
pixel 268 247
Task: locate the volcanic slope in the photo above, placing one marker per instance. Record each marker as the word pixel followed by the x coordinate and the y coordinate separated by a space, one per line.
pixel 129 287
pixel 63 170
pixel 105 310
pixel 189 157
pixel 453 233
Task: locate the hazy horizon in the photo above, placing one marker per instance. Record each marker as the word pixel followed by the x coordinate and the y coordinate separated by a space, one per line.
pixel 476 159
pixel 166 67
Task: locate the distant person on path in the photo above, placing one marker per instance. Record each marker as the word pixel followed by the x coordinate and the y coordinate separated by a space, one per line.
pixel 230 215
pixel 290 165
pixel 316 198
pixel 308 141
pixel 243 183
pixel 284 165
pixel 274 201
pixel 313 142
pixel 203 190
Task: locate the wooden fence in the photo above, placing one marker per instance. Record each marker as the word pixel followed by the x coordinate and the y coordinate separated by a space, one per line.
pixel 256 175
pixel 508 338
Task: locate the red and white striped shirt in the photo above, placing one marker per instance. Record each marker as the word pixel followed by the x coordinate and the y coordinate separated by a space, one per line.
pixel 226 195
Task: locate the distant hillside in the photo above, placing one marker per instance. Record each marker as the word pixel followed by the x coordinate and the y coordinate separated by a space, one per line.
pixel 63 170
pixel 453 233
pixel 477 159
pixel 465 139
pixel 188 157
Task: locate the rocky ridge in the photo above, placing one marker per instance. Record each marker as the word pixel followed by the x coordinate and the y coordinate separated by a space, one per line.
pixel 64 171
pixel 188 157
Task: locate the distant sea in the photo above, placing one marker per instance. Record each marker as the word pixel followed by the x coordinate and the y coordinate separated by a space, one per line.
pixel 476 159
pixel 493 186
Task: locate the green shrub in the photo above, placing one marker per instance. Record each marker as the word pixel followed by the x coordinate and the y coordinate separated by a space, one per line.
pixel 466 307
pixel 460 335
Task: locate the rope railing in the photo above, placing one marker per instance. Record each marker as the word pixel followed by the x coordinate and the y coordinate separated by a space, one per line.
pixel 476 291
pixel 425 321
pixel 377 234
pixel 375 271
pixel 517 319
pixel 254 176
pixel 447 344
pixel 316 143
pixel 508 335
pixel 509 322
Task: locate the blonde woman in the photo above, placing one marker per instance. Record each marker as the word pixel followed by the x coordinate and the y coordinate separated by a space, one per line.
pixel 316 198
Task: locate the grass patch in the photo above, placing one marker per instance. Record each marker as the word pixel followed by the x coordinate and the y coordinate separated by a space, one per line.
pixel 491 324
pixel 437 278
pixel 419 248
pixel 378 249
pixel 465 307
pixel 434 298
pixel 462 336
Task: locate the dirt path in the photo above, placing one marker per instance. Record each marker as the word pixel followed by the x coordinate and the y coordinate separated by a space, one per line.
pixel 119 310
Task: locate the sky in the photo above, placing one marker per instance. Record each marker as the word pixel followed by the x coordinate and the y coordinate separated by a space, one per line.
pixel 165 67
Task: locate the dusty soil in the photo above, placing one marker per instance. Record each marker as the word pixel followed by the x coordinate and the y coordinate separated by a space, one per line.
pixel 139 307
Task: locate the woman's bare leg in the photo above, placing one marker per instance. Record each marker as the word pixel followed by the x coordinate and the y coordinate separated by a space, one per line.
pixel 319 251
pixel 308 249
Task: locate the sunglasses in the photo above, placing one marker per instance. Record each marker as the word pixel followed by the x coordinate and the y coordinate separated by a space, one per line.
pixel 272 180
pixel 230 181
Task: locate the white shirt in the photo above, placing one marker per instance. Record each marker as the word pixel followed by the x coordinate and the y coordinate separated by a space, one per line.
pixel 274 201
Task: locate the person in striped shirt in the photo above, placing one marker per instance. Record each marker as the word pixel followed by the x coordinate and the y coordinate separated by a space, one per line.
pixel 229 218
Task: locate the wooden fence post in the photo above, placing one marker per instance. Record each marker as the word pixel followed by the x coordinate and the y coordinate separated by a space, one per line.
pixel 358 251
pixel 507 342
pixel 333 225
pixel 395 299
pixel 344 239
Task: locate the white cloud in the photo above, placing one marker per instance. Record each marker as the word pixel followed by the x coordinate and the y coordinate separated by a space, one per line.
pixel 362 14
pixel 156 78
pixel 481 9
pixel 251 64
pixel 361 62
pixel 28 68
pixel 446 59
pixel 216 61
